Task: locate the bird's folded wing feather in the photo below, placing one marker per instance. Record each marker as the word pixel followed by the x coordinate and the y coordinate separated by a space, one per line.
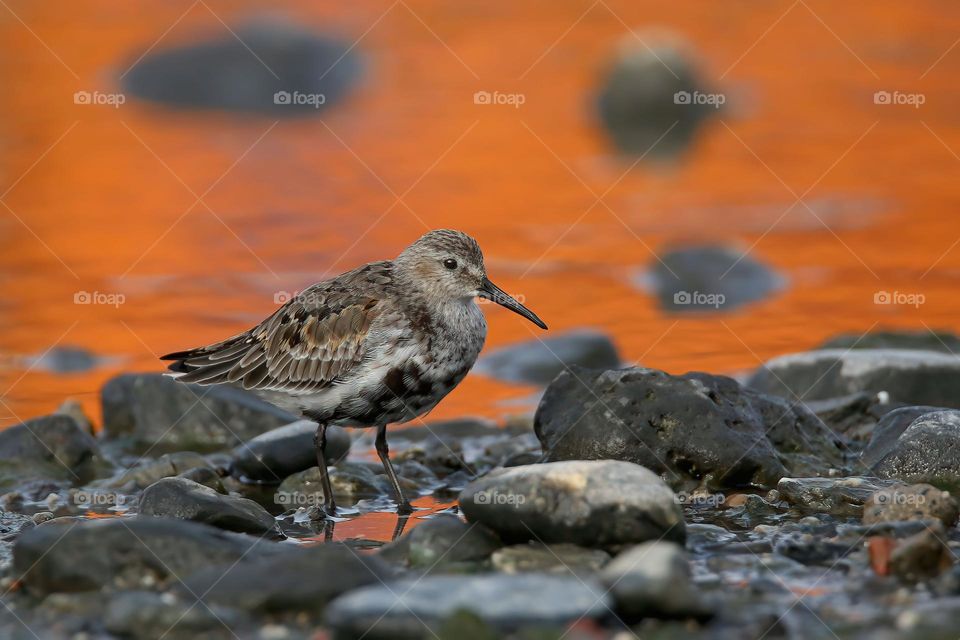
pixel 312 341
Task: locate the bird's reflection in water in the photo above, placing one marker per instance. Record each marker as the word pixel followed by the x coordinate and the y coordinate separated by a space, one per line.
pixel 327 526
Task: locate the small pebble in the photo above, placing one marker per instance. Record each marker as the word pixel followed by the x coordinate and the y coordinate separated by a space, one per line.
pixel 274 632
pixel 42 516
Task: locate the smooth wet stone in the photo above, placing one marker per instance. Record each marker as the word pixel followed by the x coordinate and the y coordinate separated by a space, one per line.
pixel 710 279
pixel 563 558
pixel 915 502
pixel 854 415
pixel 266 67
pixel 602 503
pixel 68 554
pixel 149 471
pixel 637 101
pixel 49 449
pixel 206 476
pixel 351 481
pixel 908 376
pixel 442 542
pixel 539 361
pixel 153 412
pixel 653 580
pixel 298 579
pixel 838 496
pixel 926 340
pixel 689 428
pixel 889 429
pixel 188 500
pixel 928 451
pixel 272 456
pixel 11 526
pixel 414 608
pixel 922 556
pixel 145 615
pixel 810 549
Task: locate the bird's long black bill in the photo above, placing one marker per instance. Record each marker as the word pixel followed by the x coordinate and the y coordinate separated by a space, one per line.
pixel 494 293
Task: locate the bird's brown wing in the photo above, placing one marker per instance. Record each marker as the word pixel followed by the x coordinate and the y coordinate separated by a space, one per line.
pixel 315 338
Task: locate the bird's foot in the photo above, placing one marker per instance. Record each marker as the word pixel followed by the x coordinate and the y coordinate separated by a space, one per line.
pixel 404 508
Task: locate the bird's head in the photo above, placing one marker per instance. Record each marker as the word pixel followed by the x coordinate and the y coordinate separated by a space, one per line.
pixel 448 265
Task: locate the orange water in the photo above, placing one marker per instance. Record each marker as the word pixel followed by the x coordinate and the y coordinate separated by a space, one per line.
pixel 104 199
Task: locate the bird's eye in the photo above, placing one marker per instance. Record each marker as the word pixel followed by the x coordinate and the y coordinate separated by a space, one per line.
pixel 450 263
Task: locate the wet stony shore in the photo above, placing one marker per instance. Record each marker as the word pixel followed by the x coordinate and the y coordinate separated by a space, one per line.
pixel 813 499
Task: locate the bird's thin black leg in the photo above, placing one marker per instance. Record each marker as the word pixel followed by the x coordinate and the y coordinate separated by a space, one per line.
pixel 384 452
pixel 320 443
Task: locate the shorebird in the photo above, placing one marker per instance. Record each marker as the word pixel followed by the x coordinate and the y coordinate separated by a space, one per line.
pixel 378 345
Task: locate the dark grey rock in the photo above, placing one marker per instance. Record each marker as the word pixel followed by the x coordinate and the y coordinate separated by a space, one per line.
pixel 922 556
pixel 837 496
pixel 145 615
pixel 914 502
pixel 153 412
pixel 539 361
pixel 149 471
pixel 653 580
pixel 67 554
pixel 601 503
pixel 444 541
pixel 561 558
pixel 206 476
pixel 299 579
pixel 415 608
pixel 908 376
pixel 710 278
pixel 272 456
pixel 64 359
pixel 11 526
pixel 52 449
pixel 351 481
pixel 854 416
pixel 187 500
pixel 943 341
pixel 638 104
pixel 889 429
pixel 245 71
pixel 927 451
pixel 691 428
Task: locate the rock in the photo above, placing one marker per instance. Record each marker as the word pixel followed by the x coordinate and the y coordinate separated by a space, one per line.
pixel 351 481
pixel 414 608
pixel 269 68
pixel 837 496
pixel 154 413
pixel 549 558
pixel 942 341
pixel 710 278
pixel 922 556
pixel 811 548
pixel 854 415
pixel 144 615
pixel 653 580
pixel 52 449
pixel 641 98
pixel 539 361
pixel 590 503
pixel 149 471
pixel 928 451
pixel 11 526
pixel 72 407
pixel 206 476
pixel 67 554
pixel 64 359
pixel 272 456
pixel 690 428
pixel 889 429
pixel 299 579
pixel 916 502
pixel 444 541
pixel 188 500
pixel 912 377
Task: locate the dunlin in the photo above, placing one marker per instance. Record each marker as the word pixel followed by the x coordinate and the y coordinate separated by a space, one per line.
pixel 378 345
